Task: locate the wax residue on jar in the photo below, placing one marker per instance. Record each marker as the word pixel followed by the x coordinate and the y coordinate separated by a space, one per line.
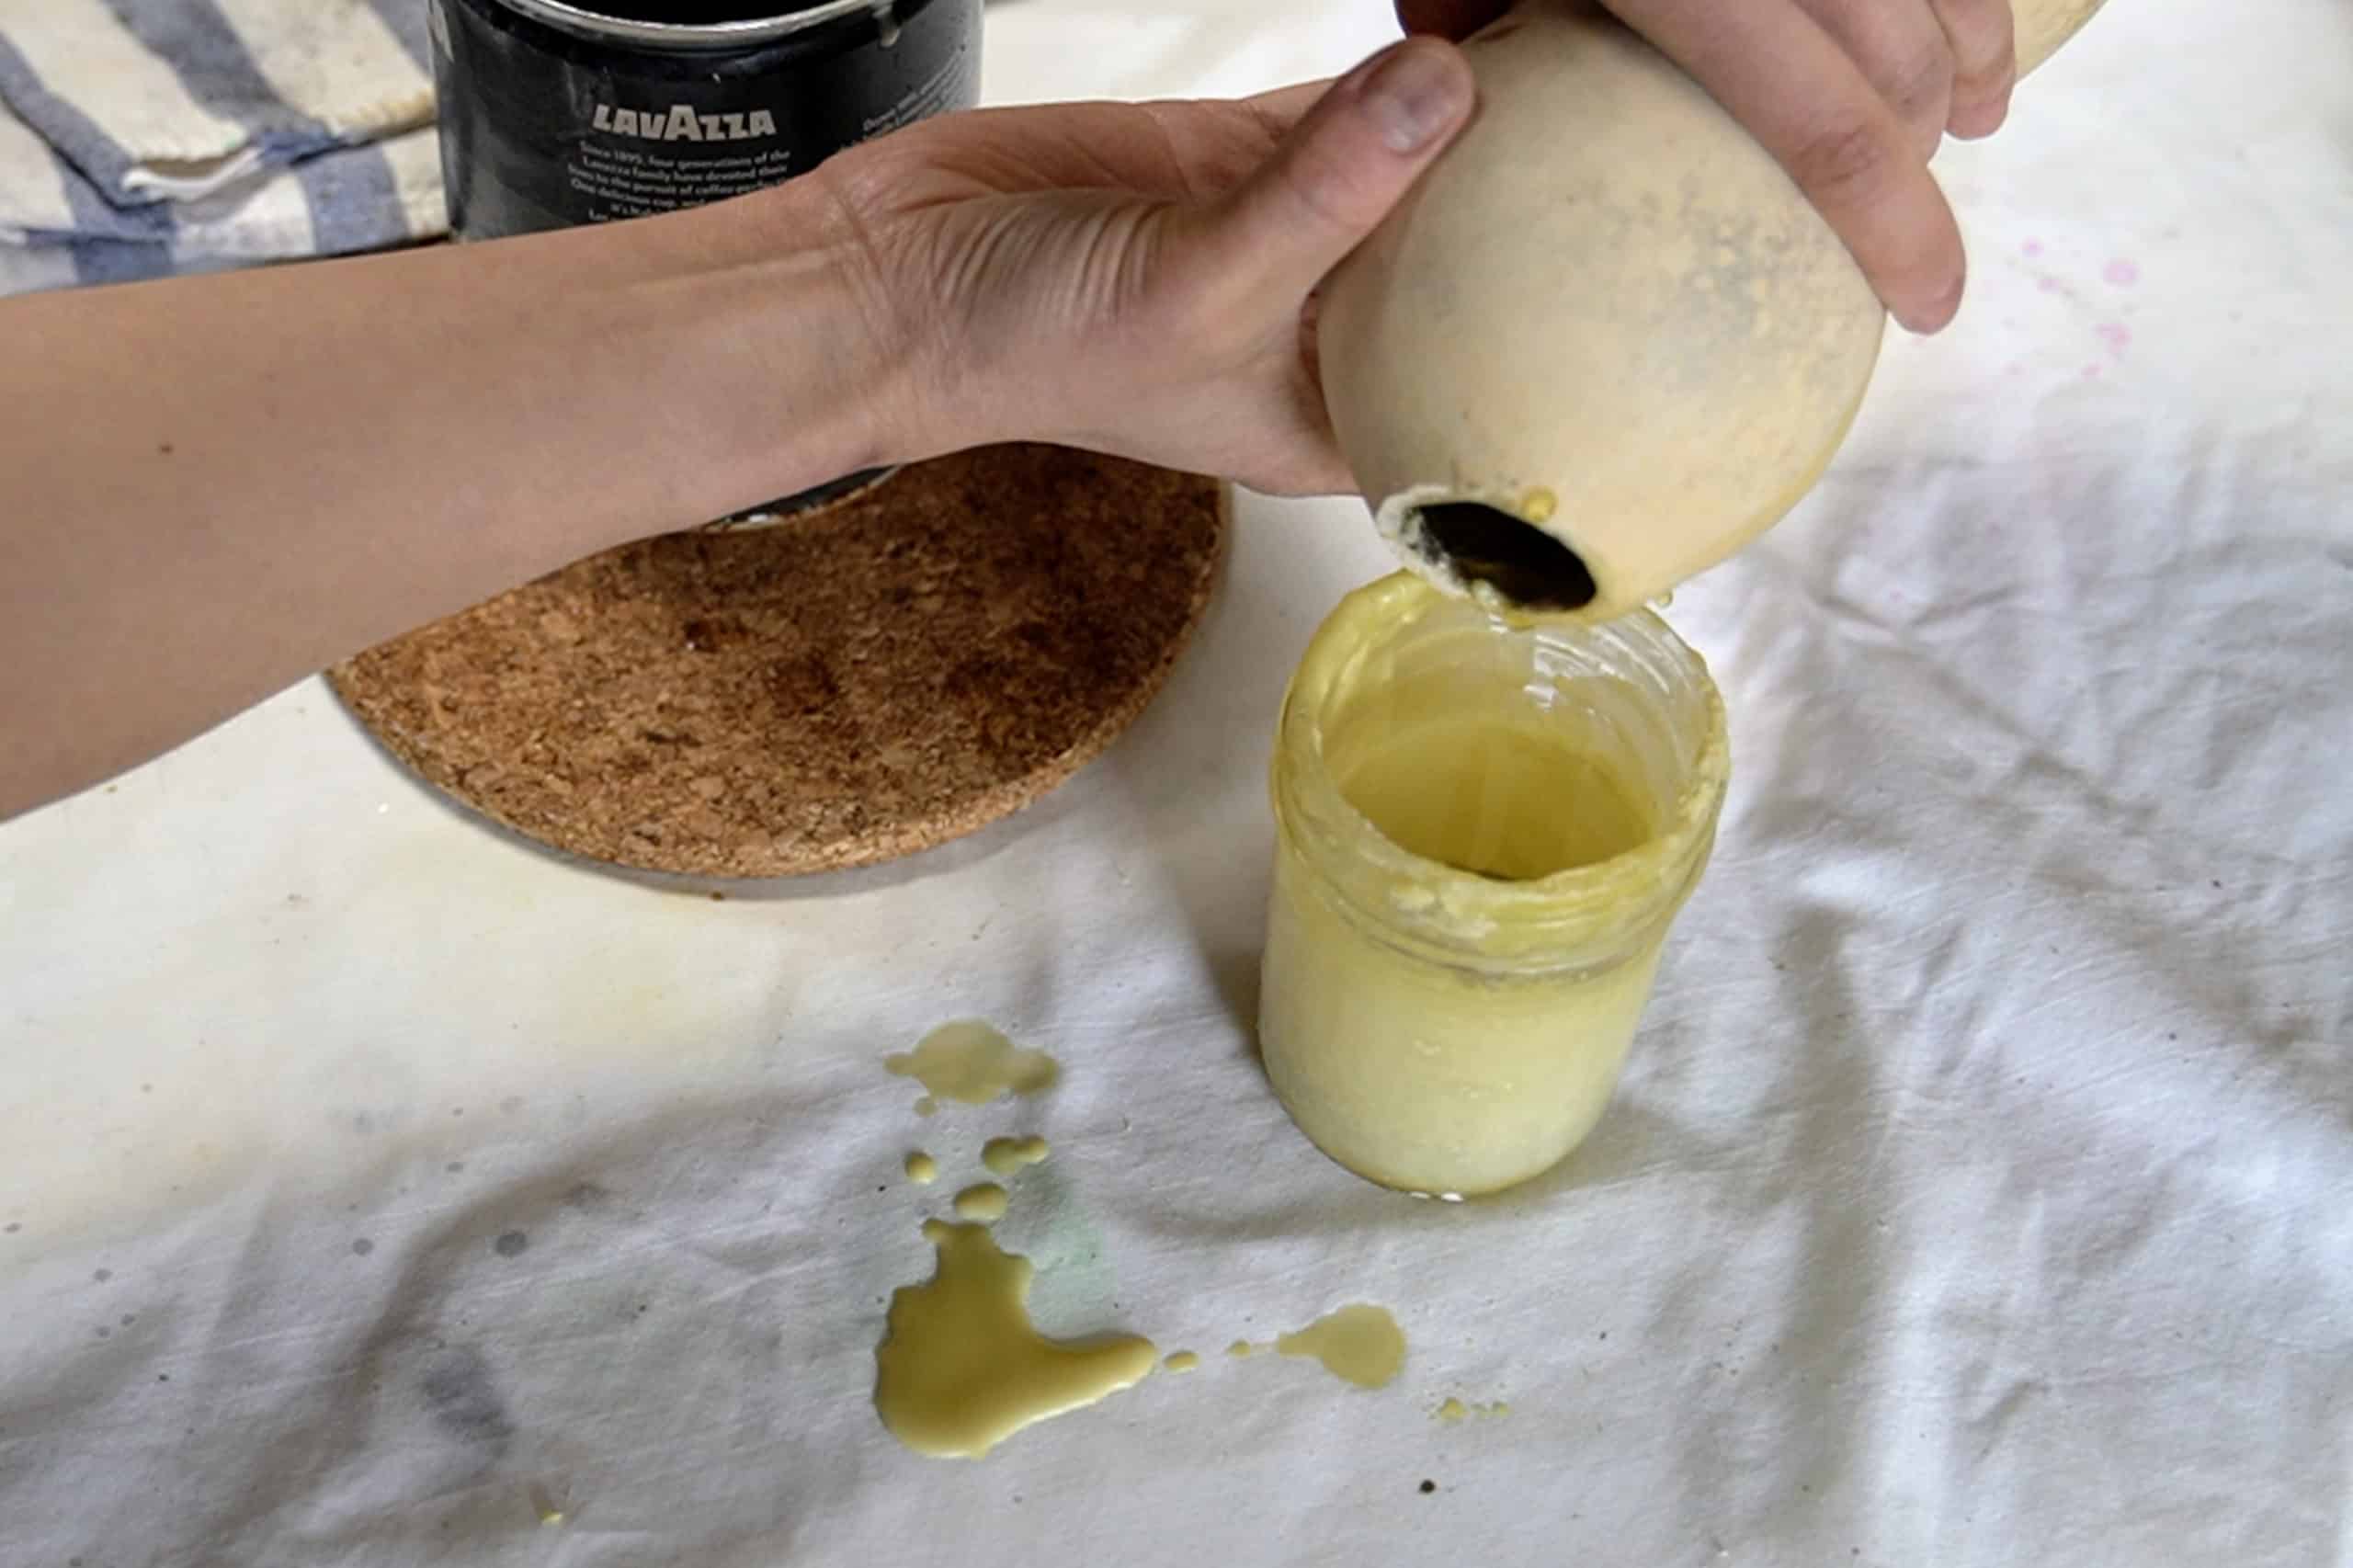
pixel 985 1203
pixel 960 1369
pixel 972 1064
pixel 1360 1344
pixel 1004 1156
pixel 922 1169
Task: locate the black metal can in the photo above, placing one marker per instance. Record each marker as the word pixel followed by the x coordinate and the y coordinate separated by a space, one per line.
pixel 554 115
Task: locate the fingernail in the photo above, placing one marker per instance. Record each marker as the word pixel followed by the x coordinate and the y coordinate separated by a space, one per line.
pixel 1940 314
pixel 1413 93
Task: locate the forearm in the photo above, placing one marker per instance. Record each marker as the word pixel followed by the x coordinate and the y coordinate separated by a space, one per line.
pixel 208 489
pixel 214 486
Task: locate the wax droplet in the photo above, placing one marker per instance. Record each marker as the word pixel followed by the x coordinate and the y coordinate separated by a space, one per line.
pixel 1240 1348
pixel 1360 1345
pixel 1004 1156
pixel 922 1169
pixel 983 1204
pixel 1181 1361
pixel 972 1064
pixel 960 1369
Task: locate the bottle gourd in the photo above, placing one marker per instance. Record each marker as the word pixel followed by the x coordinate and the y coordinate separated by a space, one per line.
pixel 1607 341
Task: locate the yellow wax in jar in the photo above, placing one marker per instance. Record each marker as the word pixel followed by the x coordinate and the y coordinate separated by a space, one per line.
pixel 1515 800
pixel 1433 1078
pixel 1452 1019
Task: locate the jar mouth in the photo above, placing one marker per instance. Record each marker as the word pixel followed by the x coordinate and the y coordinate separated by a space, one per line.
pixel 1573 913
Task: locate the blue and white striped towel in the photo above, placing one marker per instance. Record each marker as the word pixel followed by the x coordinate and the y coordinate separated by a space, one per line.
pixel 145 137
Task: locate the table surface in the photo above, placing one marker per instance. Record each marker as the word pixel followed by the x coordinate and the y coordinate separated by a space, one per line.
pixel 1980 1191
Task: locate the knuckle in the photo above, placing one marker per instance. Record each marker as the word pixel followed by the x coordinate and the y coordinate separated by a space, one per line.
pixel 1920 84
pixel 1320 186
pixel 1840 156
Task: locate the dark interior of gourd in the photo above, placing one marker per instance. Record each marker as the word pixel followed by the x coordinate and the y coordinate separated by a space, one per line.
pixel 1519 559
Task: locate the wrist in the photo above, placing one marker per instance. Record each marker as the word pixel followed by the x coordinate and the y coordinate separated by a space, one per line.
pixel 941 365
pixel 741 336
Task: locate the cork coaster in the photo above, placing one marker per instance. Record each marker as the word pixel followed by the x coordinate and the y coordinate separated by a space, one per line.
pixel 858 682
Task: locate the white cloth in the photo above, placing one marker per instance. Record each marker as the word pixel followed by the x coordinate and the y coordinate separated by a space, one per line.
pixel 1978 1194
pixel 144 137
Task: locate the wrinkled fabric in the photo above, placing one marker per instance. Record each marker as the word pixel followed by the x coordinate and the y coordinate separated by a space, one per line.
pixel 141 138
pixel 1980 1193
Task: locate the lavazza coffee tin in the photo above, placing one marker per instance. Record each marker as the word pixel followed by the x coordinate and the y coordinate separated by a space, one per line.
pixel 554 115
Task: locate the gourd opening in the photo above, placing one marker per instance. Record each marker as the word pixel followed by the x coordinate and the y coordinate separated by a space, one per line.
pixel 1521 562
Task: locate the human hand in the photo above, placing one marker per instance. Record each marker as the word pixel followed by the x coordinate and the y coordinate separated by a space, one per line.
pixel 1852 97
pixel 1135 278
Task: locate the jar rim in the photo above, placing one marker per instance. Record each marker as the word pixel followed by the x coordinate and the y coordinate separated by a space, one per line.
pixel 1462 913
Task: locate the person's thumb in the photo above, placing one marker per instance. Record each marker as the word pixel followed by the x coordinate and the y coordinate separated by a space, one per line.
pixel 1340 170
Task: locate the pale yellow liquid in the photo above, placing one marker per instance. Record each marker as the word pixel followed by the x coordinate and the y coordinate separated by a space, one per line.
pixel 1454 1411
pixel 1359 1345
pixel 960 1369
pixel 985 1203
pixel 1514 801
pixel 1003 1156
pixel 973 1063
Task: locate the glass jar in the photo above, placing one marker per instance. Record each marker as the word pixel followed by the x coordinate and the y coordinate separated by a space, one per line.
pixel 1484 830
